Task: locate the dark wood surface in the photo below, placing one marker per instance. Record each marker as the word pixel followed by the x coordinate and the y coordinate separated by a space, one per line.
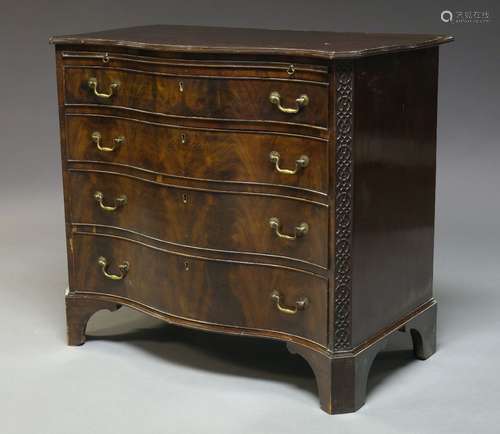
pixel 215 292
pixel 207 220
pixel 342 378
pixel 203 154
pixel 209 98
pixel 395 170
pixel 78 313
pixel 177 65
pixel 197 39
pixel 198 128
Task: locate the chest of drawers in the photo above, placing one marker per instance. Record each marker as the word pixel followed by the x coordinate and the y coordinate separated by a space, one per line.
pixel 272 184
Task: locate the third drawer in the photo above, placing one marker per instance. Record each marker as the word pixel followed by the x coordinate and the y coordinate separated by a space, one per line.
pixel 224 221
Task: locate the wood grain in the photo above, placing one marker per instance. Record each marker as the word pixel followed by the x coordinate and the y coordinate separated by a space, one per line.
pixel 212 98
pixel 395 170
pixel 223 40
pixel 220 221
pixel 204 154
pixel 182 65
pixel 207 291
pixel 193 108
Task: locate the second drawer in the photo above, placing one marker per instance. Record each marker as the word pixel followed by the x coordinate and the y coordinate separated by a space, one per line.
pixel 227 156
pixel 234 222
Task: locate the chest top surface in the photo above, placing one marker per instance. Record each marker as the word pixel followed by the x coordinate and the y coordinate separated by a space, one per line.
pixel 198 39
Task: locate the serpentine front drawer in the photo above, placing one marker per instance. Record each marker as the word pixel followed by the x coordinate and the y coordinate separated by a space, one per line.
pixel 260 99
pixel 266 158
pixel 215 294
pixel 223 221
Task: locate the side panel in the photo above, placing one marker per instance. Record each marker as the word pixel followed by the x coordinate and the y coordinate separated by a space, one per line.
pixel 394 186
pixel 65 175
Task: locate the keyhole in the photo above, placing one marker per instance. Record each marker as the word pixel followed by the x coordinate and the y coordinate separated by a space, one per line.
pixel 186 265
pixel 184 198
pixel 291 70
pixel 105 58
pixel 183 138
pixel 181 86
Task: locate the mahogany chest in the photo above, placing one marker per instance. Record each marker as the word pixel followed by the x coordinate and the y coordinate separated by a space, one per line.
pixel 273 184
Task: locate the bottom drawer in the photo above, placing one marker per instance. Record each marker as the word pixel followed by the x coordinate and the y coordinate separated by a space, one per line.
pixel 212 291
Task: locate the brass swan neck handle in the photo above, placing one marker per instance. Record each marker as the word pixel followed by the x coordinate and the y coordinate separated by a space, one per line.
pixel 301 102
pixel 300 304
pixel 301 163
pixel 123 267
pixel 96 138
pixel 92 83
pixel 119 202
pixel 300 230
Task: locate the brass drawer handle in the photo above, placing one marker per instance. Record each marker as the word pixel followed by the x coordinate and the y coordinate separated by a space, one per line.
pixel 300 304
pixel 96 138
pixel 301 101
pixel 301 163
pixel 92 83
pixel 103 263
pixel 119 201
pixel 300 230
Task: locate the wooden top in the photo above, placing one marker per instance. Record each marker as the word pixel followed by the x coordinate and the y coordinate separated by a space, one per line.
pixel 325 45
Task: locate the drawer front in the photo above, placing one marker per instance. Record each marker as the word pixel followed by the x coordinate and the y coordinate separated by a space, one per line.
pixel 214 98
pixel 182 66
pixel 223 221
pixel 222 293
pixel 201 154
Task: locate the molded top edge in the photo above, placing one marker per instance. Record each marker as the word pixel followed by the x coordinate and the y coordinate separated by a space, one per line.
pixel 199 39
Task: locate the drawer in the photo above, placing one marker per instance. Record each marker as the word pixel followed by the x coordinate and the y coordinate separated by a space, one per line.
pixel 200 154
pixel 185 66
pixel 225 221
pixel 230 294
pixel 219 98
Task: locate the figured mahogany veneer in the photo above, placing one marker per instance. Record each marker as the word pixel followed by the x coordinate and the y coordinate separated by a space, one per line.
pixel 271 184
pixel 209 220
pixel 209 291
pixel 202 154
pixel 204 97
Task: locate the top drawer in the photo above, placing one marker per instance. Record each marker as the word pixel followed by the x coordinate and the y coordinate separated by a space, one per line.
pixel 200 91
